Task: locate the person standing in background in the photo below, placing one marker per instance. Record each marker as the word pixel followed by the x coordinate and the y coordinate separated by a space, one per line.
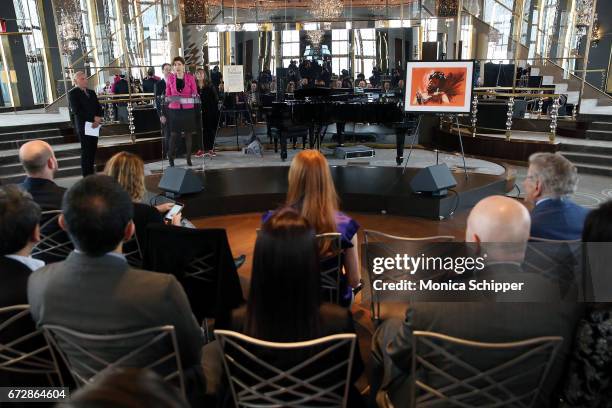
pixel 210 111
pixel 148 84
pixel 159 89
pixel 85 108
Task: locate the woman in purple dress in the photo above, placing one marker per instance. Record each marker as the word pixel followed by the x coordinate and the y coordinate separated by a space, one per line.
pixel 312 192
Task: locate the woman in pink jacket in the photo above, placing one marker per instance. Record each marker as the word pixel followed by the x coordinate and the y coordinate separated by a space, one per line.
pixel 183 118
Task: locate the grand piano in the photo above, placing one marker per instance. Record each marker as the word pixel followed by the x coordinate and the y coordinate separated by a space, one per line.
pixel 313 109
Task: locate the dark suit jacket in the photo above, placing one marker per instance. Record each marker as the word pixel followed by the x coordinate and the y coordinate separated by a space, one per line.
pixel 14 276
pixel 84 106
pixel 104 295
pixel 45 193
pixel 148 85
pixel 477 321
pixel 559 219
pixel 160 91
pixel 13 291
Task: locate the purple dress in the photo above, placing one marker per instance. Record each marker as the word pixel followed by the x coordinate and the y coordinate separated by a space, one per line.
pixel 347 227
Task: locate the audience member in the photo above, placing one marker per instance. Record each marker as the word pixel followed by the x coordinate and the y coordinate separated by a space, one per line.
pixel 95 291
pixel 40 165
pixel 19 217
pixel 127 388
pixel 284 303
pixel 494 219
pixel 589 377
pixel 551 178
pixel 312 192
pixel 128 170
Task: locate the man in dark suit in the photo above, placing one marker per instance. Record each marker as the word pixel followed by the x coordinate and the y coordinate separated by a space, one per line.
pixel 40 165
pixel 19 218
pixel 551 178
pixel 160 93
pixel 95 290
pixel 493 220
pixel 85 108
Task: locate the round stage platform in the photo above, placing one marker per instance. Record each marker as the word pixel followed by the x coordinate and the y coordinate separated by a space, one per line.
pixel 362 188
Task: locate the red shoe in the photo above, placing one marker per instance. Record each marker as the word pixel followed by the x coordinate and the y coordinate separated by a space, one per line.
pixel 212 153
pixel 199 153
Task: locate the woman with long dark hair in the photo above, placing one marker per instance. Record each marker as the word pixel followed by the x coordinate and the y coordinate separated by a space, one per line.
pixel 182 115
pixel 284 298
pixel 313 194
pixel 210 111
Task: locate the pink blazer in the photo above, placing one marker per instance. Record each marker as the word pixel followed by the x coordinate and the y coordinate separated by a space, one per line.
pixel 190 90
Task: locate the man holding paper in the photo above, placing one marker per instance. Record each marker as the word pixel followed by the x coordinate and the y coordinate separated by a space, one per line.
pixel 87 113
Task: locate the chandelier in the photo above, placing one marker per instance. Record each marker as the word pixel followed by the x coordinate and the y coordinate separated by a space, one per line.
pixel 326 9
pixel 447 8
pixel 69 25
pixel 595 34
pixel 584 10
pixel 315 37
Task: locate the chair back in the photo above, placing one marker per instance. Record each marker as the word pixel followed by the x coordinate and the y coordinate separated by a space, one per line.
pixel 54 244
pixel 449 371
pixel 386 243
pixel 318 375
pixel 86 355
pixel 331 266
pixel 23 348
pixel 201 260
pixel 133 252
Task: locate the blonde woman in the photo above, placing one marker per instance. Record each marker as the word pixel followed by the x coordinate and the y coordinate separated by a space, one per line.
pixel 312 192
pixel 128 170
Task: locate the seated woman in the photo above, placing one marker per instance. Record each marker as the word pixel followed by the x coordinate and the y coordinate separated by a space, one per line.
pixel 312 193
pixel 128 170
pixel 283 303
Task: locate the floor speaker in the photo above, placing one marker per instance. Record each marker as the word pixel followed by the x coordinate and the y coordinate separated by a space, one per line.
pixel 434 180
pixel 179 181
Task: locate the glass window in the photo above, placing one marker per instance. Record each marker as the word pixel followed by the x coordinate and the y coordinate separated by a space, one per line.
pixel 340 49
pixel 290 46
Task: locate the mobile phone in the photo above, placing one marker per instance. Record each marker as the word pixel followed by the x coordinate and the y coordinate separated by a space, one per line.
pixel 174 210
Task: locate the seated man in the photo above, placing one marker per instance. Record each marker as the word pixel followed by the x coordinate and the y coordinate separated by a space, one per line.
pixel 19 217
pixel 95 290
pixel 40 165
pixel 551 178
pixel 494 219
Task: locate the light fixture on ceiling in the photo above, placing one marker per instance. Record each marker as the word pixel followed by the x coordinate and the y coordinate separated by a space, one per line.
pixel 596 33
pixel 447 8
pixel 326 10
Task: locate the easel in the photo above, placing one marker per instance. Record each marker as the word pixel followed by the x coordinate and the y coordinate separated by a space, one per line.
pixel 415 136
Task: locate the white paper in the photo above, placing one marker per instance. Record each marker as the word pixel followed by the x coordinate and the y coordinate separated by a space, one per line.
pixel 90 131
pixel 233 78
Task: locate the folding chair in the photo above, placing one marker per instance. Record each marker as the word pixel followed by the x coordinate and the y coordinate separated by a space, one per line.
pixel 54 244
pixel 132 252
pixel 86 355
pixel 443 375
pixel 201 260
pixel 331 266
pixel 389 244
pixel 23 348
pixel 321 378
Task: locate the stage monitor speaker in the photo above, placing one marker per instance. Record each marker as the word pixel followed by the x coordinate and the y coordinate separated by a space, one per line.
pixel 434 180
pixel 179 181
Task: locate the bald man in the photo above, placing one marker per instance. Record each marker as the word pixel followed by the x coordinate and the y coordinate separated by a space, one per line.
pixel 85 108
pixel 40 165
pixel 493 220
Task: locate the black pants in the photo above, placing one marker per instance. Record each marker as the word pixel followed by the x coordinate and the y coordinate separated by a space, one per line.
pixel 172 145
pixel 89 145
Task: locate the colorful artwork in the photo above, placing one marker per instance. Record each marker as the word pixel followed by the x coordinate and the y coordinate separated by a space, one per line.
pixel 439 87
